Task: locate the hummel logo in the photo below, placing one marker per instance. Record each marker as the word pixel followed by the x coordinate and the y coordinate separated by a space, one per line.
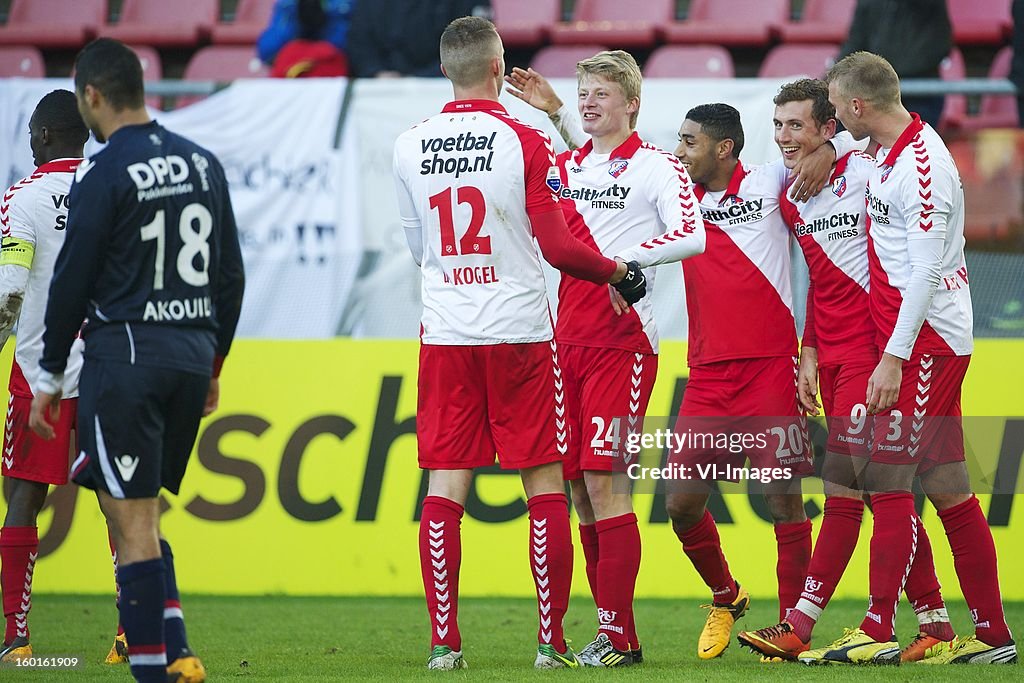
pixel 126 465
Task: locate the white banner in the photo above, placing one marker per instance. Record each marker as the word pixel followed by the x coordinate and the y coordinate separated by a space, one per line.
pixel 293 191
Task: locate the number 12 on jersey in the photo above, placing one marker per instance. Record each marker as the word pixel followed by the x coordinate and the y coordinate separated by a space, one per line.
pixel 472 242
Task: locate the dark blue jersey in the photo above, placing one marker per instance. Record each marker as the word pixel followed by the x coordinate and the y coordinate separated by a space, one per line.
pixel 151 258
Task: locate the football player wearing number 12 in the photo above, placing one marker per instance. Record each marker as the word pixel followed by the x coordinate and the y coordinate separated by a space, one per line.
pixel 473 196
pixel 152 260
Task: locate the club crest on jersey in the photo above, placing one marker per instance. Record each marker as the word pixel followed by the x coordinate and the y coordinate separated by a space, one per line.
pixel 839 186
pixel 885 173
pixel 554 179
pixel 618 168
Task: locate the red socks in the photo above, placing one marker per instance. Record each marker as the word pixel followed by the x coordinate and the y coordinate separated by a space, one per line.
pixel 974 558
pixel 551 563
pixel 19 547
pixel 893 542
pixel 440 558
pixel 704 548
pixel 924 593
pixel 794 543
pixel 616 577
pixel 589 541
pixel 837 539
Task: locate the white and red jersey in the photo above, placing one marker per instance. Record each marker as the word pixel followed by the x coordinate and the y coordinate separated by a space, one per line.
pixel 35 210
pixel 915 205
pixel 830 229
pixel 470 178
pixel 738 292
pixel 637 203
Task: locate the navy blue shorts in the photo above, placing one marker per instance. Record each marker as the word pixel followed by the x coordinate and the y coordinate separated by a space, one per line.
pixel 136 427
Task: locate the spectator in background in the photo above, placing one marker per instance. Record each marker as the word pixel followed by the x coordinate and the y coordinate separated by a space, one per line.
pixel 1017 69
pixel 285 26
pixel 307 56
pixel 393 38
pixel 914 35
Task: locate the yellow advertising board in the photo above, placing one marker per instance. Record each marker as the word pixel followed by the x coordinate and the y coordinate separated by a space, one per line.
pixel 305 482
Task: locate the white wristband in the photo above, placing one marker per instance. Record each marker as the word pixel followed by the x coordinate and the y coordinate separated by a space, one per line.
pixel 50 383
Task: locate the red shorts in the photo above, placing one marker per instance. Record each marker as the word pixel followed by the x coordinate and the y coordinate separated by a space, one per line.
pixel 749 407
pixel 924 425
pixel 844 389
pixel 475 401
pixel 606 396
pixel 29 456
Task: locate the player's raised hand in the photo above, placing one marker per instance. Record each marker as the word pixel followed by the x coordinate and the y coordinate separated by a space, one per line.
pixel 812 173
pixel 44 405
pixel 633 286
pixel 884 384
pixel 534 89
pixel 807 380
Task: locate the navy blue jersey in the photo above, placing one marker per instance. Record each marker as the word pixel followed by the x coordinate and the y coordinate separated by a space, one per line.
pixel 151 259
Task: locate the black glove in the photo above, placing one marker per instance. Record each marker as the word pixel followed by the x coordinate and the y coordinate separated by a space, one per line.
pixel 633 287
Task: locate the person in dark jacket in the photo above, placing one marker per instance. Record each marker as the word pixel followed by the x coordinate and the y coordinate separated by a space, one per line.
pixel 914 35
pixel 392 38
pixel 285 25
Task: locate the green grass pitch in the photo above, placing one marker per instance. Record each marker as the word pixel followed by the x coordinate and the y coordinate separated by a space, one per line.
pixel 332 639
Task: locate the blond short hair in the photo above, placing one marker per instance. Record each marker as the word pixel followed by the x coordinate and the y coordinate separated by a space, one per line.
pixel 468 45
pixel 868 77
pixel 619 67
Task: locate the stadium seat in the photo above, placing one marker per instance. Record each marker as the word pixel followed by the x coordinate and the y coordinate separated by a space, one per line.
pixel 752 23
pixel 224 63
pixel 613 22
pixel 689 61
pixel 251 18
pixel 985 22
pixel 152 69
pixel 21 60
pixel 182 23
pixel 525 23
pixel 822 21
pixel 996 111
pixel 559 61
pixel 954 110
pixel 53 23
pixel 798 60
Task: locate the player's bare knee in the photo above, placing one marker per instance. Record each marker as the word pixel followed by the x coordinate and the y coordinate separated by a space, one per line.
pixel 947 485
pixel 581 501
pixel 841 474
pixel 685 511
pixel 24 501
pixel 543 479
pixel 785 508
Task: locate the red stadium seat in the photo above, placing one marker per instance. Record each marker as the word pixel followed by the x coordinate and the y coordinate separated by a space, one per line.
pixel 182 23
pixel 996 111
pixel 822 21
pixel 152 69
pixel 798 60
pixel 21 60
pixel 525 23
pixel 980 22
pixel 53 23
pixel 224 63
pixel 689 61
pixel 251 18
pixel 954 111
pixel 559 61
pixel 729 22
pixel 613 22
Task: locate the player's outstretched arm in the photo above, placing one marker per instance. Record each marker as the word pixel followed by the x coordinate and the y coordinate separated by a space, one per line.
pixel 531 87
pixel 566 253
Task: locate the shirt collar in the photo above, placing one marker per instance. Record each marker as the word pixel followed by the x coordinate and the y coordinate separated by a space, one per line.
pixel 59 166
pixel 626 150
pixel 908 134
pixel 473 105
